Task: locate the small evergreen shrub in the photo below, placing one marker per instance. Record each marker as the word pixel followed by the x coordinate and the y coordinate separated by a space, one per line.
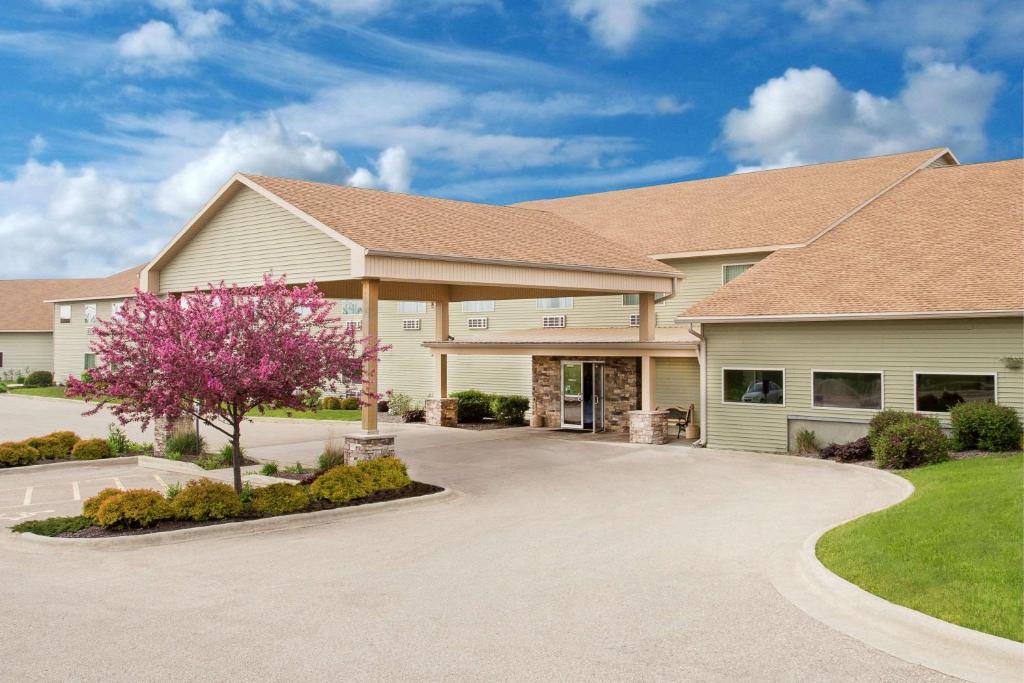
pixel 472 405
pixel 39 378
pixel 49 448
pixel 350 403
pixel 912 442
pixel 13 454
pixel 133 509
pixel 269 469
pixel 53 526
pixel 985 426
pixel 855 451
pixel 67 440
pixel 185 441
pixel 279 499
pixel 330 403
pixel 510 410
pixel 172 490
pixel 205 499
pixel 92 505
pixel 385 473
pixel 342 484
pixel 117 441
pixel 91 449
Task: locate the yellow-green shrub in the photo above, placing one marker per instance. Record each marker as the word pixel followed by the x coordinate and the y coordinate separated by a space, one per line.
pixel 92 505
pixel 342 484
pixel 13 454
pixel 385 473
pixel 330 403
pixel 91 449
pixel 67 441
pixel 279 499
pixel 48 447
pixel 134 508
pixel 204 499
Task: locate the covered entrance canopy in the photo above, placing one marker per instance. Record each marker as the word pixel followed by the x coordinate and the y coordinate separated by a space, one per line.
pixel 372 245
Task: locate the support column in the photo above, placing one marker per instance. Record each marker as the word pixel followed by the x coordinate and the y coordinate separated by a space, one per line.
pixel 647 425
pixel 647 384
pixel 369 444
pixel 441 411
pixel 648 316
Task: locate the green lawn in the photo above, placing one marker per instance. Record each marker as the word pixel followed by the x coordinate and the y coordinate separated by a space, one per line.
pixel 954 549
pixel 344 415
pixel 51 392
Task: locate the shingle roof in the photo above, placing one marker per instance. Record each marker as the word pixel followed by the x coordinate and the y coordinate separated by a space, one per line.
pixel 947 239
pixel 408 224
pixel 23 303
pixel 765 208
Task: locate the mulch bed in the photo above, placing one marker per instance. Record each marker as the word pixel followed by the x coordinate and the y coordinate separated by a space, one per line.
pixel 486 425
pixel 413 490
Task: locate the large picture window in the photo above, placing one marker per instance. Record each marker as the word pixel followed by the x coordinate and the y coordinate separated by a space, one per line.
pixel 852 390
pixel 939 392
pixel 753 386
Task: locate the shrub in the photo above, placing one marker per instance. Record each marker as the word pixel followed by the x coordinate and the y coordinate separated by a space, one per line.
pixel 914 441
pixel 117 440
pixel 53 526
pixel 226 455
pixel 342 484
pixel 92 505
pixel 414 415
pixel 185 441
pixel 173 490
pixel 806 441
pixel 205 499
pixel 67 440
pixel 269 469
pixel 3 388
pixel 884 419
pixel 312 398
pixel 90 449
pixel 351 403
pixel 985 426
pixel 279 499
pixel 472 405
pixel 383 407
pixel 385 473
pixel 399 403
pixel 510 410
pixel 330 403
pixel 132 509
pixel 854 451
pixel 49 448
pixel 39 378
pixel 330 459
pixel 13 454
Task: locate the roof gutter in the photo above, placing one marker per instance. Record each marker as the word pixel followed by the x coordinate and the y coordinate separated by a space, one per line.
pixel 825 317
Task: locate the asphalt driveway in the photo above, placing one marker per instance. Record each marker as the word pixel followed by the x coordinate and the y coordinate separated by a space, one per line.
pixel 561 559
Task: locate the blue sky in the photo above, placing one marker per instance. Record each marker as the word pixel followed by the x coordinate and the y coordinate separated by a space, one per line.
pixel 120 118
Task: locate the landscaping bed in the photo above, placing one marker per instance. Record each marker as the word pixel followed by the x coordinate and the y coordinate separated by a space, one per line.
pixel 66 446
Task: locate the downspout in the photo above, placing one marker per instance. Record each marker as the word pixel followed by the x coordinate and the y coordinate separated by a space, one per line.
pixel 702 362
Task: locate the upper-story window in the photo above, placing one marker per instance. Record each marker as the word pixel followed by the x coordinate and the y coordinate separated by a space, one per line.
pixel 555 302
pixel 634 299
pixel 64 313
pixel 733 270
pixel 477 306
pixel 351 307
pixel 89 315
pixel 412 306
pixel 115 309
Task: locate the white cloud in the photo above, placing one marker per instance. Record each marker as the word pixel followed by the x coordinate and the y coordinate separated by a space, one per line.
pixel 37 145
pixel 512 104
pixel 615 24
pixel 157 41
pixel 806 116
pixel 394 171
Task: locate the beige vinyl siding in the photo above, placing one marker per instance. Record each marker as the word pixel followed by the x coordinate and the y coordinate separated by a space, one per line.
pixel 677 384
pixel 251 236
pixel 71 340
pixel 25 352
pixel 897 348
pixel 703 277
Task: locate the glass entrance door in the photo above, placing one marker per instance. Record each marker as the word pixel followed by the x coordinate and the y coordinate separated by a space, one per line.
pixel 572 395
pixel 598 397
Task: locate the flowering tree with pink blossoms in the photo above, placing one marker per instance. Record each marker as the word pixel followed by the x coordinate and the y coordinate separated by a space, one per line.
pixel 220 355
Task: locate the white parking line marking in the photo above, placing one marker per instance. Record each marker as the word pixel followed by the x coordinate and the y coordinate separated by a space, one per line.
pixel 28 496
pixel 118 484
pixel 75 491
pixel 159 480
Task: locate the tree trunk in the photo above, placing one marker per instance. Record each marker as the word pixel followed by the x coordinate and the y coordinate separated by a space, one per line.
pixel 236 458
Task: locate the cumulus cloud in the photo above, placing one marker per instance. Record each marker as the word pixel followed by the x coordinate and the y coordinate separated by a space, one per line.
pixel 615 24
pixel 154 40
pixel 394 171
pixel 806 116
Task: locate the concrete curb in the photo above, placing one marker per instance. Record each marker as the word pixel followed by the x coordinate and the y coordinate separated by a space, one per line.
pixel 250 527
pixel 899 631
pixel 70 464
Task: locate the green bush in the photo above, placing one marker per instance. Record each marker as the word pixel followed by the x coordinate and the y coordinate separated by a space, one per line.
pixel 53 526
pixel 13 454
pixel 985 426
pixel 330 403
pixel 92 505
pixel 330 459
pixel 398 404
pixel 49 448
pixel 205 499
pixel 342 484
pixel 385 473
pixel 185 441
pixel 912 442
pixel 472 405
pixel 269 469
pixel 39 378
pixel 312 398
pixel 3 388
pixel 510 410
pixel 133 509
pixel 279 499
pixel 350 403
pixel 91 449
pixel 67 441
pixel 884 419
pixel 117 441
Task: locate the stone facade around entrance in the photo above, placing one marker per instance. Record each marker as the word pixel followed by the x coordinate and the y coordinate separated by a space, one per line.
pixel 648 426
pixel 621 389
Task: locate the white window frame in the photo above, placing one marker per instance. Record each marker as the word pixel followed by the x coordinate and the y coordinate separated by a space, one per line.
pixel 880 373
pixel 488 308
pixel 350 302
pixel 94 361
pixel 64 319
pixel 995 386
pixel 744 263
pixel 421 307
pixel 570 299
pixel 762 405
pixel 411 324
pixel 85 314
pixel 115 308
pixel 482 323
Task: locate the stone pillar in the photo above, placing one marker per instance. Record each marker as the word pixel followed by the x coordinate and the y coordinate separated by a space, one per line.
pixel 648 426
pixel 161 430
pixel 359 447
pixel 441 412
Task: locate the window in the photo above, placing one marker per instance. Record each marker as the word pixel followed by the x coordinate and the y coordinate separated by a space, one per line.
pixel 553 321
pixel 351 307
pixel 65 313
pixel 412 307
pixel 734 270
pixel 555 302
pixel 115 309
pixel 476 323
pixel 634 299
pixel 853 390
pixel 634 320
pixel 477 306
pixel 938 392
pixel 411 324
pixel 753 386
pixel 90 361
pixel 90 313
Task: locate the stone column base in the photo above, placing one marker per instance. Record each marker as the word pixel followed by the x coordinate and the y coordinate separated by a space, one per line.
pixel 648 426
pixel 441 412
pixel 161 430
pixel 359 447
